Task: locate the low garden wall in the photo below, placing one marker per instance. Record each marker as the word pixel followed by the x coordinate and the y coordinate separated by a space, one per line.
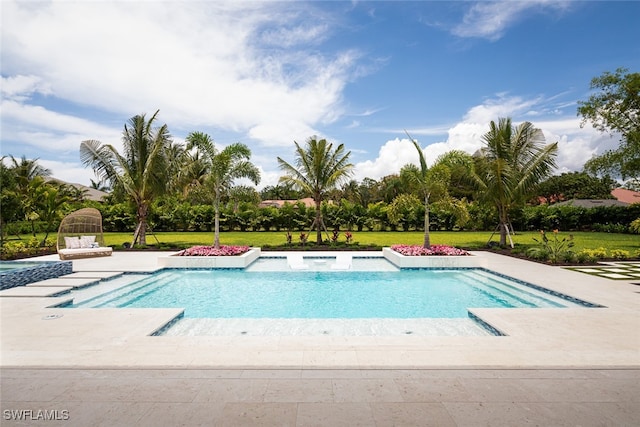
pixel 431 261
pixel 238 261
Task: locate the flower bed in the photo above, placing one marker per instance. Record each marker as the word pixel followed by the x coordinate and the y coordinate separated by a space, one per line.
pixel 438 256
pixel 437 250
pixel 212 251
pixel 208 257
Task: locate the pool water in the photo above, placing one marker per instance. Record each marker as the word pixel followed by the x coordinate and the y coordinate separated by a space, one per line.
pixel 404 294
pixel 14 265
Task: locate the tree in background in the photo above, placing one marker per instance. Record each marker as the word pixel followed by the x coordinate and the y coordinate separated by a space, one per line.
pixel 318 169
pixel 223 168
pixel 508 168
pixel 575 185
pixel 141 172
pixel 430 183
pixel 615 108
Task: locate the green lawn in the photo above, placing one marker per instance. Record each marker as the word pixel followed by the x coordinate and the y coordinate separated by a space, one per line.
pixel 466 239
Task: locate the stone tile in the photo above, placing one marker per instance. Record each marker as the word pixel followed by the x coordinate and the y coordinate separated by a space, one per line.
pixel 99 390
pixel 432 390
pixel 331 373
pixel 259 414
pixel 28 292
pixel 316 358
pixel 588 270
pixel 105 413
pixel 302 390
pixel 366 390
pixel 232 390
pixel 615 276
pixel 499 390
pixel 411 415
pixel 584 390
pixel 620 413
pixel 335 415
pixel 183 414
pixel 31 389
pixel 167 389
pixel 271 373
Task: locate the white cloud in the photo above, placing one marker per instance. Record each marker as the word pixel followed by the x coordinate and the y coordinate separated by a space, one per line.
pixel 392 156
pixel 51 131
pixel 576 145
pixel 202 64
pixel 20 87
pixel 490 20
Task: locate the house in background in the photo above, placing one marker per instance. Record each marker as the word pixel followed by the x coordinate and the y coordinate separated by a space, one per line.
pixel 626 196
pixel 308 202
pixel 623 197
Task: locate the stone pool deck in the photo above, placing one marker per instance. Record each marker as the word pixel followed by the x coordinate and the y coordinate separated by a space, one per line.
pixel 570 366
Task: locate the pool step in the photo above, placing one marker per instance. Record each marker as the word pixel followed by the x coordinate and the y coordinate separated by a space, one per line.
pixel 325 327
pixel 128 292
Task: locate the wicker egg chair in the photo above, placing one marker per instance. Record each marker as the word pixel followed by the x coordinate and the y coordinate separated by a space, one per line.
pixel 80 235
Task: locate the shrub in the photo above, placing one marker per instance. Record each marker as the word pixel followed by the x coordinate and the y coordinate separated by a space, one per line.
pixel 409 250
pixel 554 249
pixel 591 255
pixel 212 251
pixel 620 254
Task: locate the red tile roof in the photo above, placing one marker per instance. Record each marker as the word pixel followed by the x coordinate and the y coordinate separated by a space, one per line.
pixel 626 196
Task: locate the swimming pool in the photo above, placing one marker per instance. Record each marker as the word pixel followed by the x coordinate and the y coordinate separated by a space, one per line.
pixel 261 296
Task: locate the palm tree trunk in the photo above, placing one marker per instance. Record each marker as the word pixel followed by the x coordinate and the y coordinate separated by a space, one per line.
pixel 427 237
pixel 319 223
pixel 216 220
pixel 216 225
pixel 140 234
pixel 502 214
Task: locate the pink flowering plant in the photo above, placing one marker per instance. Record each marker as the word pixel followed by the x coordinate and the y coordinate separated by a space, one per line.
pixel 416 250
pixel 212 251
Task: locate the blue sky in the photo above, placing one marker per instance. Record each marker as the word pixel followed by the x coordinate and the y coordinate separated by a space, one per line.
pixel 270 73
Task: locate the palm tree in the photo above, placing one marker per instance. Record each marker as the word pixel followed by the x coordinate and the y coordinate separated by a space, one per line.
pixel 223 167
pixel 25 171
pixel 142 171
pixel 318 169
pixel 513 162
pixel 429 182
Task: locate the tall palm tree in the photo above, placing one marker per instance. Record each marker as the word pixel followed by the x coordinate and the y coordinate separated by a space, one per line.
pixel 223 167
pixel 512 163
pixel 429 182
pixel 25 171
pixel 142 171
pixel 318 169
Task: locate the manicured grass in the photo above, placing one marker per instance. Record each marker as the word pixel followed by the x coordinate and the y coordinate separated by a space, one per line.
pixel 466 239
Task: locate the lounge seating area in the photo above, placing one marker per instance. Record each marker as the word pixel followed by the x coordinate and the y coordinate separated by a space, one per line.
pixel 343 262
pixel 80 235
pixel 296 262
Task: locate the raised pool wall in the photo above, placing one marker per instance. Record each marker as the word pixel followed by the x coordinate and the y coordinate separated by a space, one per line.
pixel 433 261
pixel 240 261
pixel 397 259
pixel 24 276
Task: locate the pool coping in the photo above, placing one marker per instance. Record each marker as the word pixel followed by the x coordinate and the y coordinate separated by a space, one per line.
pixel 566 337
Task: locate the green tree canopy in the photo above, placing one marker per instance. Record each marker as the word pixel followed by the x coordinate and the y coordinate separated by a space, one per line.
pixel 222 169
pixel 429 183
pixel 575 185
pixel 142 171
pixel 318 169
pixel 508 168
pixel 615 108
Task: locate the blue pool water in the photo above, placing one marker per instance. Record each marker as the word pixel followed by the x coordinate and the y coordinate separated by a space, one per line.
pixel 408 293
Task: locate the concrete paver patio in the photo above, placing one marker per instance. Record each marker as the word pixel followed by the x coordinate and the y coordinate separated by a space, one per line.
pixel 570 366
